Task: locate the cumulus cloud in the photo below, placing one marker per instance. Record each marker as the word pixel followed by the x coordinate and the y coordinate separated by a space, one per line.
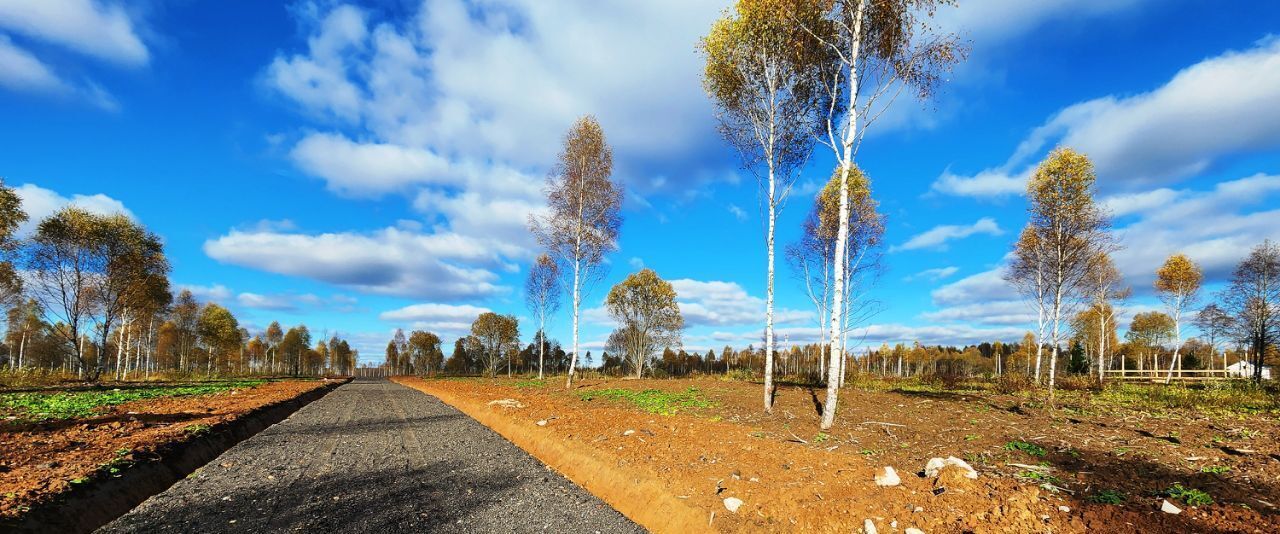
pixel 463 109
pixel 937 237
pixel 212 293
pixel 40 203
pixel 726 303
pixel 1215 228
pixel 714 303
pixel 1207 113
pixel 390 261
pixel 443 319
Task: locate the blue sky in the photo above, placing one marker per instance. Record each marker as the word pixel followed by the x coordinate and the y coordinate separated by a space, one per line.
pixel 366 166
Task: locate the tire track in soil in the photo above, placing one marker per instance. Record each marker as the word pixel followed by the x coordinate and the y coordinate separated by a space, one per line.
pixel 373 456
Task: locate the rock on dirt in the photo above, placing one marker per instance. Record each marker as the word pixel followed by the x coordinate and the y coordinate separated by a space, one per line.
pixel 913 530
pixel 629 432
pixel 869 527
pixel 888 477
pixel 732 504
pixel 1168 508
pixel 935 465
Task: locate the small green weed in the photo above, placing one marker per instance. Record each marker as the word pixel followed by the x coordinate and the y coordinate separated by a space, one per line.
pixel 1215 469
pixel 822 436
pixel 1190 496
pixel 196 429
pixel 1029 448
pixel 969 437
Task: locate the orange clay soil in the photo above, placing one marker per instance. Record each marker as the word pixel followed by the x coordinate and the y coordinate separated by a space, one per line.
pixel 673 473
pixel 38 461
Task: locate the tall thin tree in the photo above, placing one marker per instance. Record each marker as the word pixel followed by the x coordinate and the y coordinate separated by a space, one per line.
pixel 542 296
pixel 583 219
pixel 875 50
pixel 763 74
pixel 1178 285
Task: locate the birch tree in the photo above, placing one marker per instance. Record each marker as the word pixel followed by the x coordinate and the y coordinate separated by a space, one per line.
pixel 644 306
pixel 583 218
pixel 1028 274
pixel 1178 286
pixel 542 296
pixel 1071 230
pixel 763 73
pixel 874 51
pixel 1104 288
pixel 813 256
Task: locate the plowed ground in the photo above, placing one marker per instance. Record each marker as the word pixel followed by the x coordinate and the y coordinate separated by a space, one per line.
pixel 790 477
pixel 40 460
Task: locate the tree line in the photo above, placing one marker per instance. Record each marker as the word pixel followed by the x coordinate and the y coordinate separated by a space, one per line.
pixel 89 295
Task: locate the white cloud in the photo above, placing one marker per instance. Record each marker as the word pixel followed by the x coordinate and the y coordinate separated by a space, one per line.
pixel 24 72
pixel 938 236
pixel 215 293
pixel 463 108
pixel 442 319
pixel 981 287
pixel 738 213
pixel 993 22
pixel 1000 312
pixel 40 203
pixel 99 29
pixel 389 261
pixel 1218 108
pixel 104 30
pixel 935 274
pixel 1215 228
pixel 367 168
pixel 726 303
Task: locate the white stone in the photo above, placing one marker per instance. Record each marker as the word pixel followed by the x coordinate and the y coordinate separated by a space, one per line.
pixel 1064 508
pixel 888 477
pixel 935 465
pixel 913 530
pixel 542 422
pixel 629 432
pixel 1168 508
pixel 869 527
pixel 732 504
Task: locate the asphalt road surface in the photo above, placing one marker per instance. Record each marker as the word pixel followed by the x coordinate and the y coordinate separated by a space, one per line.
pixel 374 456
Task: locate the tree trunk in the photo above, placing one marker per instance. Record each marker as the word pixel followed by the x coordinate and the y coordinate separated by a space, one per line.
pixel 842 234
pixel 768 314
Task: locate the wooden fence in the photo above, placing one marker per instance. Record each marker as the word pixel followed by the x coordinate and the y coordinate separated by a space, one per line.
pixel 1161 375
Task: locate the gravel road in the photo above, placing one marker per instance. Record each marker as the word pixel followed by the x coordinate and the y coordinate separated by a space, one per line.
pixel 374 456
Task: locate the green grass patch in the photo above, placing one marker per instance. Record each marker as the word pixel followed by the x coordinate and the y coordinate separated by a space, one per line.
pixel 529 383
pixel 1215 469
pixel 81 404
pixel 1190 496
pixel 1029 448
pixel 653 401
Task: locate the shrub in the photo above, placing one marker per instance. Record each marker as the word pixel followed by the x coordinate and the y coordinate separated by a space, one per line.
pixel 1008 384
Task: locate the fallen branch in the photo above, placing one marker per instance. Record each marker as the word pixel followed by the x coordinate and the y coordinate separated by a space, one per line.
pixel 882 423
